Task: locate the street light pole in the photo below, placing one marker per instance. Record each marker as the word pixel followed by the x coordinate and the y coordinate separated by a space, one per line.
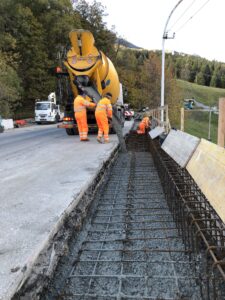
pixel 165 36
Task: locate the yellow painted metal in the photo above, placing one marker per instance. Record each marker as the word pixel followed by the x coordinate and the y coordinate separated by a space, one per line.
pixel 74 41
pixel 207 167
pixel 84 59
pixel 112 82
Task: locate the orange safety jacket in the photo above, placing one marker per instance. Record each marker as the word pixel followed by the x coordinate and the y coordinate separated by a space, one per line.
pixel 104 107
pixel 146 122
pixel 80 105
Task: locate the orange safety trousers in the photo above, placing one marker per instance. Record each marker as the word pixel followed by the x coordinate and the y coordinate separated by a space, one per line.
pixel 81 118
pixel 80 104
pixel 103 125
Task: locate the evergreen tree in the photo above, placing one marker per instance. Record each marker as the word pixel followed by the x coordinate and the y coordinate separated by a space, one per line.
pixel 193 71
pixel 207 74
pixel 222 76
pixel 200 79
pixel 215 79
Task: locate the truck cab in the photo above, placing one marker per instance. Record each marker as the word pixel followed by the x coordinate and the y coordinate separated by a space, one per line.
pixel 47 111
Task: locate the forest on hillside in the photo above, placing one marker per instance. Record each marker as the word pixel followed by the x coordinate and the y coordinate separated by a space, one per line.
pixel 196 69
pixel 33 32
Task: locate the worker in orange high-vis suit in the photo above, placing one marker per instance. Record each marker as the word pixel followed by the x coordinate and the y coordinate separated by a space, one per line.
pixel 80 113
pixel 103 112
pixel 144 124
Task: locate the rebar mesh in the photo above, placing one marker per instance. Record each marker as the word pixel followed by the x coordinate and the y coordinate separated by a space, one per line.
pixel 201 229
pixel 132 249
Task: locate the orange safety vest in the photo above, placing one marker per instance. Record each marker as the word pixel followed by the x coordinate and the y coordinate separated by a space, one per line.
pixel 146 122
pixel 80 104
pixel 104 106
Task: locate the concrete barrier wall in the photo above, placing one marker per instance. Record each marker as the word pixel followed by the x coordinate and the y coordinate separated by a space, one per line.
pixel 8 123
pixel 207 167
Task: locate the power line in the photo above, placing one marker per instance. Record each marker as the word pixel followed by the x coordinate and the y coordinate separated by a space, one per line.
pixel 181 15
pixel 193 16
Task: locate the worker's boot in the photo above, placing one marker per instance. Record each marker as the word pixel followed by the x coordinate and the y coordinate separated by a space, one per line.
pixel 99 140
pixel 107 141
pixel 85 140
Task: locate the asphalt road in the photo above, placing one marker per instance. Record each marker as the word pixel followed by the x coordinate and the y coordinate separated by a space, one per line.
pixel 27 138
pixel 42 171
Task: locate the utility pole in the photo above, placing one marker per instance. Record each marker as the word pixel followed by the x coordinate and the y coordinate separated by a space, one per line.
pixel 165 37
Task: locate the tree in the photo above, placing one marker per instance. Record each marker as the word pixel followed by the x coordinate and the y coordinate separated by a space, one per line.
pixel 33 59
pixel 92 19
pixel 150 77
pixel 142 80
pixel 215 79
pixel 32 32
pixel 200 79
pixel 207 74
pixel 10 89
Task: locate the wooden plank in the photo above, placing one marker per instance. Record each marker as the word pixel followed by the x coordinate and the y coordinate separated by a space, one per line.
pixel 180 146
pixel 156 132
pixel 221 123
pixel 182 119
pixel 207 167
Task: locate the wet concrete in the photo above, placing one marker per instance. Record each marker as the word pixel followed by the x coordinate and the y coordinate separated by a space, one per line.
pixel 44 175
pixel 129 247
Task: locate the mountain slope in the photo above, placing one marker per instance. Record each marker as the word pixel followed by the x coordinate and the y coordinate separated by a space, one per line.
pixel 127 44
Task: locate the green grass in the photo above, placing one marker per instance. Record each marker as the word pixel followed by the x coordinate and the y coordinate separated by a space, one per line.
pixel 197 124
pixel 206 95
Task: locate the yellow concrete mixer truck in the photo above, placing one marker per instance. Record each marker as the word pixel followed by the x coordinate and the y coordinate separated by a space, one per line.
pixel 89 70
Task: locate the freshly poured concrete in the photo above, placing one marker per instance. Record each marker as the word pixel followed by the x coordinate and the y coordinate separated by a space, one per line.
pixel 42 172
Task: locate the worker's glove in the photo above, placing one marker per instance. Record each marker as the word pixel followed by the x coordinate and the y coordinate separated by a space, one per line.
pixel 110 119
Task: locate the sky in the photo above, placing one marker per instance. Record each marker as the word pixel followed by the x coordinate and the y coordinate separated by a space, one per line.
pixel 198 25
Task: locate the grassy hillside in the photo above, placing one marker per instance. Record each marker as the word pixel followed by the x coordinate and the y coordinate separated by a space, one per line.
pixel 196 122
pixel 207 95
